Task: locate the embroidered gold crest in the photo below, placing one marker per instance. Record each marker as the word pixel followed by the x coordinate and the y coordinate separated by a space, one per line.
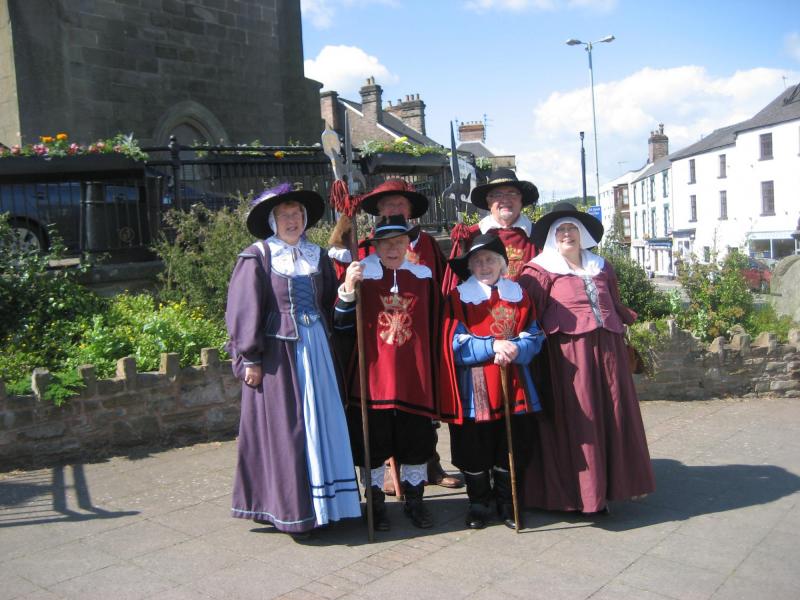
pixel 504 319
pixel 412 257
pixel 514 260
pixel 394 322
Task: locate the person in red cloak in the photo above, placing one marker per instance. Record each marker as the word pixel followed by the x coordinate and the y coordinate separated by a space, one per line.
pixel 503 196
pixel 400 308
pixel 398 197
pixel 489 325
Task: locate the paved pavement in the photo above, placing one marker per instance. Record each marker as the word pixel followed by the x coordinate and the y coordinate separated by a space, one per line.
pixel 724 524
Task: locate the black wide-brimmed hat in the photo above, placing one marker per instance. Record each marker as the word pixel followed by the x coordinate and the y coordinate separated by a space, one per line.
pixel 391 227
pixel 530 194
pixel 258 216
pixel 487 241
pixel 561 210
pixel 395 187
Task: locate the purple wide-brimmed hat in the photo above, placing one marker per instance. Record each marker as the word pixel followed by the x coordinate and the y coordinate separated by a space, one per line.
pixel 262 206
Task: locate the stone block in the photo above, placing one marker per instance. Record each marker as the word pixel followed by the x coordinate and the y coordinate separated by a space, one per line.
pixel 717 346
pixel 209 358
pixel 792 393
pixel 223 419
pixel 202 395
pixel 40 378
pixel 762 387
pixel 170 364
pixel 794 337
pixel 774 366
pixel 764 339
pixel 161 404
pixel 89 375
pixel 149 380
pixel 44 431
pixel 126 371
pixel 107 387
pixel 12 419
pixel 780 386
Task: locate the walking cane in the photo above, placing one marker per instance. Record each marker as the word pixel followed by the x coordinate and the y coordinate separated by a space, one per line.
pixel 507 403
pixel 345 204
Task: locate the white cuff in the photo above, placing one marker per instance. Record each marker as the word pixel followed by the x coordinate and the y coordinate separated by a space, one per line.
pixel 346 296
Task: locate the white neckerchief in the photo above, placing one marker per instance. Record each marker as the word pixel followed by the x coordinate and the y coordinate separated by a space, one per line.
pixel 343 254
pixel 373 269
pixel 551 260
pixel 286 262
pixel 488 223
pixel 473 291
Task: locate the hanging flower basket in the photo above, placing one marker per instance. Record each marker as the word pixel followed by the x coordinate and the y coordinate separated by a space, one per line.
pixel 407 164
pixel 69 165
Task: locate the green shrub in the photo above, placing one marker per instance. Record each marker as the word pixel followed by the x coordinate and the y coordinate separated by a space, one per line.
pixel 764 318
pixel 199 257
pixel 636 290
pixel 135 326
pixel 718 296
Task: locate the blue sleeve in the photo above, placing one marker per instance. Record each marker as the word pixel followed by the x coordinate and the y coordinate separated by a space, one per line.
pixel 529 343
pixel 470 350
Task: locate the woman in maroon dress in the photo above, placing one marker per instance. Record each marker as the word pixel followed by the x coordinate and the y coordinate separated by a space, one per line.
pixel 593 444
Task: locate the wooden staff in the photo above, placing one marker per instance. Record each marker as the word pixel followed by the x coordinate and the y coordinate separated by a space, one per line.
pixel 507 403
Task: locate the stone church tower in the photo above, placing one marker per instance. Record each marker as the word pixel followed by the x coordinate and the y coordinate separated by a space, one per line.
pixel 206 70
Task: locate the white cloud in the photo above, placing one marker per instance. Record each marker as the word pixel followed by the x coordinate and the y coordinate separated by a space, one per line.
pixel 318 12
pixel 792 44
pixel 544 5
pixel 322 13
pixel 690 102
pixel 345 68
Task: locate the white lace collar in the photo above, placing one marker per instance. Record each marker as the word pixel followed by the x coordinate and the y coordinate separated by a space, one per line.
pixel 488 223
pixel 551 260
pixel 473 291
pixel 283 262
pixel 373 269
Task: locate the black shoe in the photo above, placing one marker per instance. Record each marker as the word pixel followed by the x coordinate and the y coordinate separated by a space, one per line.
pixel 380 516
pixel 505 499
pixel 262 522
pixel 477 516
pixel 414 508
pixel 300 536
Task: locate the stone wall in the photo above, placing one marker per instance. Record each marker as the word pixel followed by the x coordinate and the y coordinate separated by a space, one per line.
pixel 230 69
pixel 177 405
pixel 687 369
pixel 171 406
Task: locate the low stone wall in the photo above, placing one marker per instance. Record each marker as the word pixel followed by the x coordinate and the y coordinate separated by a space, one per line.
pixel 171 406
pixel 687 369
pixel 177 405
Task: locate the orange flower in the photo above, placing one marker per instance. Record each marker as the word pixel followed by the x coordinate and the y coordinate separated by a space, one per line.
pixel 61 136
pixel 280 154
pixel 46 139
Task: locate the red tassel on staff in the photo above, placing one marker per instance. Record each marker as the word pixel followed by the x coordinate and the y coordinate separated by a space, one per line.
pixel 342 201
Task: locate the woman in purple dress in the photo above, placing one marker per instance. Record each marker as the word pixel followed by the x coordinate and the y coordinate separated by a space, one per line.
pixel 593 444
pixel 295 469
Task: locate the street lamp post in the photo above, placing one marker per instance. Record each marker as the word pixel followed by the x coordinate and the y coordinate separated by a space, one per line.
pixel 583 168
pixel 588 46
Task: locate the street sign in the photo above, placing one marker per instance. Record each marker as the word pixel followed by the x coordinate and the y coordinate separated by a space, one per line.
pixel 596 212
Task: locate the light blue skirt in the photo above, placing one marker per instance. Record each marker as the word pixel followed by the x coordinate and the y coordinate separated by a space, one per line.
pixel 334 489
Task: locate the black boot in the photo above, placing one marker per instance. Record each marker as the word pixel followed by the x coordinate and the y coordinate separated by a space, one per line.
pixel 380 517
pixel 414 508
pixel 479 491
pixel 504 498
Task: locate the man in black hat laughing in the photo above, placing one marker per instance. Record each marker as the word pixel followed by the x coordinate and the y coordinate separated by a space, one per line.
pixel 503 196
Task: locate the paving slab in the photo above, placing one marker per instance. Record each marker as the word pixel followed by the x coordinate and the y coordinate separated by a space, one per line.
pixel 155 525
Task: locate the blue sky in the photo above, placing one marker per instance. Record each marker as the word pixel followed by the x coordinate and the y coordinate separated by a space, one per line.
pixel 693 66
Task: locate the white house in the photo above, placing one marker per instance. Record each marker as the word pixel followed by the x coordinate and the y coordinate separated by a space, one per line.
pixel 739 187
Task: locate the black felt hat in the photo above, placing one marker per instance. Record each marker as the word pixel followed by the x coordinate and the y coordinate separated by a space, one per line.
pixel 258 216
pixel 391 227
pixel 560 210
pixel 530 194
pixel 487 241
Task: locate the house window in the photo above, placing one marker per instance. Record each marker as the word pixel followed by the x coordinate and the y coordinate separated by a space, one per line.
pixel 767 198
pixel 723 166
pixel 626 226
pixel 634 195
pixel 706 253
pixel 652 187
pixel 625 197
pixel 691 171
pixel 723 204
pixel 692 208
pixel 766 146
pixel 666 220
pixel 664 182
pixel 635 225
